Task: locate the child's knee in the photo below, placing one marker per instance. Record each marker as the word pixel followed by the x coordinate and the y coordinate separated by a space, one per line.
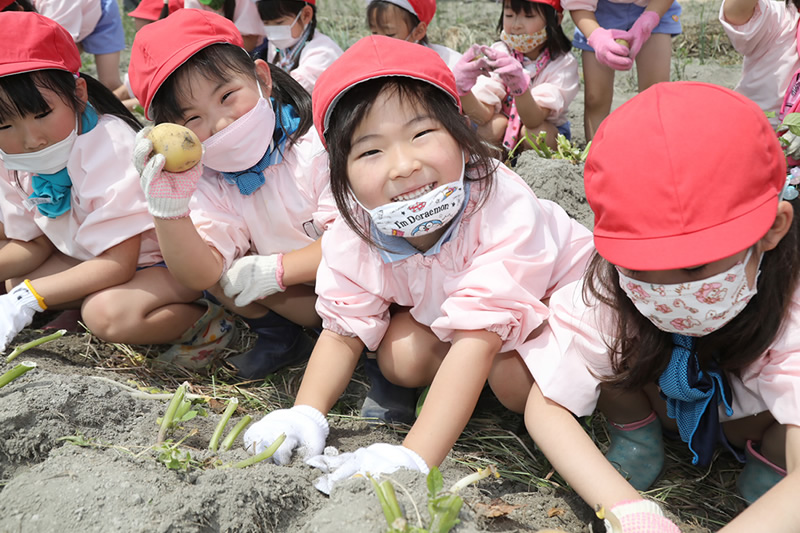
pixel 106 316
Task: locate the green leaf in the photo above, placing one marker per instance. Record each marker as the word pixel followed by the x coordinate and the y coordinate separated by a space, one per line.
pixel 435 482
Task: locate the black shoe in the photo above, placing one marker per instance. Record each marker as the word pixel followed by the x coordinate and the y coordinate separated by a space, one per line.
pixel 386 401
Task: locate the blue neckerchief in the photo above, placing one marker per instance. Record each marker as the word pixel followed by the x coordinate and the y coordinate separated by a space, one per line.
pixel 693 396
pixel 251 179
pixel 55 188
pixel 398 248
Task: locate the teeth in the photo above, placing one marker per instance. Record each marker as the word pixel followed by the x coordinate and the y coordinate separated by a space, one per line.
pixel 414 194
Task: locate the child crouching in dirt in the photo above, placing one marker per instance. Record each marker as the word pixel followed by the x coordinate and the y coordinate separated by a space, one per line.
pixel 440 260
pixel 688 318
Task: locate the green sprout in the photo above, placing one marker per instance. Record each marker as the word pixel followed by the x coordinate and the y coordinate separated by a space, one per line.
pixel 230 407
pixel 16 372
pixel 564 148
pixel 33 344
pixel 178 411
pixel 266 454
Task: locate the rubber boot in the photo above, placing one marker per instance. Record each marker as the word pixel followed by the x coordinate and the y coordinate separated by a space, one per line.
pixel 758 475
pixel 385 401
pixel 199 345
pixel 637 450
pixel 280 343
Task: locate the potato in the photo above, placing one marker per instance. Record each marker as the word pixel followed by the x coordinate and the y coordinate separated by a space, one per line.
pixel 623 42
pixel 178 144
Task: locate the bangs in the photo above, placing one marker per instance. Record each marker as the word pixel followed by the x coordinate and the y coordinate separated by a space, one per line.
pixel 20 95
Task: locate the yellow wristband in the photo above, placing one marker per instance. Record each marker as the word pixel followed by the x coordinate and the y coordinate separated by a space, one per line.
pixel 36 295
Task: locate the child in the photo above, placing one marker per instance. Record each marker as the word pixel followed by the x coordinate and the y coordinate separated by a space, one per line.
pixel 534 76
pixel 688 317
pixel 243 14
pixel 293 41
pixel 152 10
pixel 645 25
pixel 264 187
pixel 407 20
pixel 96 26
pixel 440 259
pixel 72 206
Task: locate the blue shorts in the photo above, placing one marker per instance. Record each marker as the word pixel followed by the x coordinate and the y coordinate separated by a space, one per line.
pixel 108 36
pixel 565 130
pixel 612 15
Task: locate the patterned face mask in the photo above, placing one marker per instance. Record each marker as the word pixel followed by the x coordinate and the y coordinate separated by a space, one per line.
pixel 694 308
pixel 524 42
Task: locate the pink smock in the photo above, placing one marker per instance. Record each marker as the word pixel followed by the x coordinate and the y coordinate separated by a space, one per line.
pixel 554 88
pixel 492 274
pixel 78 17
pixel 290 211
pixel 768 42
pixel 591 5
pixel 245 15
pixel 317 55
pixel 107 202
pixel 567 363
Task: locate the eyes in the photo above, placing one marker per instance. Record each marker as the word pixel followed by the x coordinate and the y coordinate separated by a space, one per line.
pixel 37 116
pixel 418 134
pixel 223 99
pixel 509 14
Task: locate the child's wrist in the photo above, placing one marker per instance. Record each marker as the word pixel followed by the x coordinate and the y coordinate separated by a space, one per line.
pixel 279 272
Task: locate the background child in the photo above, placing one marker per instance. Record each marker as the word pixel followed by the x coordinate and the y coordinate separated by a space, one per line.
pixel 646 25
pixel 293 41
pixel 264 188
pixel 439 260
pixel 243 13
pixel 152 10
pixel 72 206
pixel 688 316
pixel 534 76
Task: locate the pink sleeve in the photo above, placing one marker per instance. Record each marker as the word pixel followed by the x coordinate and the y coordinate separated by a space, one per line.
pixel 349 284
pixel 78 17
pixel 556 86
pixel 317 55
pixel 18 222
pixel 583 5
pixel 769 23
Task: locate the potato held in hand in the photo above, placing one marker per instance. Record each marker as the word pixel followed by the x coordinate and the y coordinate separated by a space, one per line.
pixel 178 144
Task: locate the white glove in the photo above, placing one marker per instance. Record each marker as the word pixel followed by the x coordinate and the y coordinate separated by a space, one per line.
pixel 640 516
pixel 16 311
pixel 378 458
pixel 791 144
pixel 253 277
pixel 306 430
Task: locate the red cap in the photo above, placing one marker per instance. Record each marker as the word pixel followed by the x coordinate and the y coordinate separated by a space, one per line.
pixel 151 9
pixel 378 56
pixel 163 46
pixel 556 4
pixel 682 174
pixel 424 10
pixel 34 42
pixel 5 3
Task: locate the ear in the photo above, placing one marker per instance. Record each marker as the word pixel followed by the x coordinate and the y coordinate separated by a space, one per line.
pixel 781 226
pixel 306 14
pixel 419 33
pixel 81 90
pixel 264 76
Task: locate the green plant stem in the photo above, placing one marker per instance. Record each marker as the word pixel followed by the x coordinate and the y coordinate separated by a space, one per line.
pixel 16 372
pixel 388 500
pixel 230 407
pixel 172 408
pixel 483 473
pixel 231 437
pixel 266 454
pixel 33 344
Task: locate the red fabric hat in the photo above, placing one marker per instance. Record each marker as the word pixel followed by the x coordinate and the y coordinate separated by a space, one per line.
pixel 424 10
pixel 151 9
pixel 554 3
pixel 163 46
pixel 377 56
pixel 34 42
pixel 681 175
pixel 5 3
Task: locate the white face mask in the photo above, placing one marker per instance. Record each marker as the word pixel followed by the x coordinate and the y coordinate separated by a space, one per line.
pixel 524 43
pixel 694 308
pixel 45 161
pixel 280 35
pixel 243 142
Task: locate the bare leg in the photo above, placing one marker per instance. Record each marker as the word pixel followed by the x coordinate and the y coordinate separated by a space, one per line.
pixel 653 61
pixel 108 69
pixel 296 304
pixel 410 354
pixel 598 93
pixel 511 381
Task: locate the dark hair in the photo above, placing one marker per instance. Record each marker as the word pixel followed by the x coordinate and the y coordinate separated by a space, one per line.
pixel 354 106
pixel 20 95
pixel 378 11
pixel 218 63
pixel 640 351
pixel 795 2
pixel 557 41
pixel 275 9
pixel 20 5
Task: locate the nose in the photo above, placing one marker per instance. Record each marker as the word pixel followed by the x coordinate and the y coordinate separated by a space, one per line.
pixel 404 162
pixel 516 22
pixel 34 138
pixel 221 122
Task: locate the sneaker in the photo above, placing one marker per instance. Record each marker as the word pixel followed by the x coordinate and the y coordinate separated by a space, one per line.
pixel 385 401
pixel 199 345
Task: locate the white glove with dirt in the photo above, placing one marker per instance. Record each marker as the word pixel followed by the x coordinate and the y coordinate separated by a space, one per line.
pixel 791 144
pixel 253 277
pixel 16 311
pixel 377 458
pixel 306 430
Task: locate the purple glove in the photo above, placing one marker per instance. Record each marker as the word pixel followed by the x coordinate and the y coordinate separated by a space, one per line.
pixel 515 78
pixel 608 52
pixel 466 71
pixel 640 31
pixel 639 516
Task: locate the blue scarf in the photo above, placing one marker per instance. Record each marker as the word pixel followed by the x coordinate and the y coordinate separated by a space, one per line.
pixel 55 188
pixel 251 179
pixel 693 396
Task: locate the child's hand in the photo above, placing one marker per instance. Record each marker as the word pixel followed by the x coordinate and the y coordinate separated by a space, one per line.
pixel 168 193
pixel 639 516
pixel 466 71
pixel 375 459
pixel 253 277
pixel 514 76
pixel 609 52
pixel 306 430
pixel 16 311
pixel 640 31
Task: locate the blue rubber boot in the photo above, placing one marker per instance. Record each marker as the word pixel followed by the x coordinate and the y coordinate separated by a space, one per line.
pixel 386 401
pixel 280 343
pixel 758 475
pixel 637 451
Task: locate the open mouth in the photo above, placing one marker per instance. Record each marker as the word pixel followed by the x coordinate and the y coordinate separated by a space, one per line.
pixel 416 193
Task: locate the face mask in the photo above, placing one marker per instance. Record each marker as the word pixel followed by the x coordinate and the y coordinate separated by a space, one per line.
pixel 280 35
pixel 243 142
pixel 694 308
pixel 45 161
pixel 524 43
pixel 422 215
